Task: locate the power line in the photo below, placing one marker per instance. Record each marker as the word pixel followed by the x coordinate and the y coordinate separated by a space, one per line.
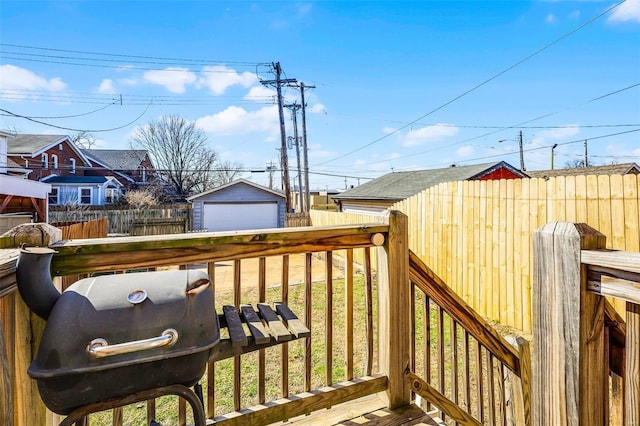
pixel 78 130
pixel 67 116
pixel 495 76
pixel 50 49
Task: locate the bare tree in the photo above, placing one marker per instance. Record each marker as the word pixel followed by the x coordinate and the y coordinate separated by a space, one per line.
pixel 84 140
pixel 226 172
pixel 183 161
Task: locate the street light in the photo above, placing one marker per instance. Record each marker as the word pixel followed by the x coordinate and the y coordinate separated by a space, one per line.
pixel 552 155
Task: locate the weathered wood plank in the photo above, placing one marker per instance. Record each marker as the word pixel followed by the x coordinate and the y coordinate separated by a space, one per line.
pixel 429 393
pixel 568 325
pixel 348 310
pixel 295 325
pixel 368 296
pixel 256 328
pixel 632 367
pixel 615 287
pixel 234 324
pixel 103 254
pixel 393 298
pixel 276 328
pixel 305 403
pixel 328 323
pixel 612 259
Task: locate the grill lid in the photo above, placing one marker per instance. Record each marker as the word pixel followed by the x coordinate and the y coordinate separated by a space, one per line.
pixel 120 320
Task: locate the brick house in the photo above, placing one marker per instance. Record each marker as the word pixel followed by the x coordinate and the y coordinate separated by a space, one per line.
pixel 132 167
pixel 40 156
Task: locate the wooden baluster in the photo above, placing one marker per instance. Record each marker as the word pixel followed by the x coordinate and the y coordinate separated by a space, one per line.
pixel 182 412
pixel 454 360
pixel 348 307
pixel 440 325
pixel 412 328
pixel 151 410
pixel 491 383
pixel 328 315
pixel 466 375
pixel 284 295
pixel 503 399
pixel 427 340
pixel 368 369
pixel 211 370
pixel 117 416
pixel 262 294
pixel 479 365
pixel 307 316
pixel 237 388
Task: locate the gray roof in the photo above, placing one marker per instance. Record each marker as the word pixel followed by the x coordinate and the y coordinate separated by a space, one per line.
pixel 611 169
pixel 76 179
pixel 117 159
pixel 401 185
pixel 236 182
pixel 31 144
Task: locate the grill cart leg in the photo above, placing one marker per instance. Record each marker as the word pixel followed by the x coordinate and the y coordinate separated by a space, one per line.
pixel 182 391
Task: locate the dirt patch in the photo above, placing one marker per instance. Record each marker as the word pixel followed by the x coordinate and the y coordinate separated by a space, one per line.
pixel 224 273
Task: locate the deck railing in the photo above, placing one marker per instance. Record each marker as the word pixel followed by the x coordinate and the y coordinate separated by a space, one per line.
pixel 586 357
pixel 366 325
pixel 469 373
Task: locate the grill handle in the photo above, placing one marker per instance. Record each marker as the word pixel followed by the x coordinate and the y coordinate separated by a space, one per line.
pixel 100 348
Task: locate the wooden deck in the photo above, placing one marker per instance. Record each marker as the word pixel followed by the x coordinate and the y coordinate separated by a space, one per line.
pixel 369 410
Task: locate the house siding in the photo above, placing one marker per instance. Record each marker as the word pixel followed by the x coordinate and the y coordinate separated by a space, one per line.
pixel 500 173
pixel 64 162
pixel 239 193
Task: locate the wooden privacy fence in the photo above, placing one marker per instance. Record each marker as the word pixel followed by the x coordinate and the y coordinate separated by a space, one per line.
pixel 158 226
pixel 120 220
pixel 97 228
pixel 477 235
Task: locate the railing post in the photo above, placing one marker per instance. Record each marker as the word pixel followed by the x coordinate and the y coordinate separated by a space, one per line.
pixel 569 378
pixel 632 366
pixel 394 320
pixel 28 408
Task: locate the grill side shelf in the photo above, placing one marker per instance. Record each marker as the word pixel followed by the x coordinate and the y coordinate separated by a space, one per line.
pixel 265 328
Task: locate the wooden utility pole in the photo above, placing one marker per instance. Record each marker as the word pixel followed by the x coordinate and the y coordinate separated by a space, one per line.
pixel 522 169
pixel 278 83
pixel 586 158
pixel 307 196
pixel 294 107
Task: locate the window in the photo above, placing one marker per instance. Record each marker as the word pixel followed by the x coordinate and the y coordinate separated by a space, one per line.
pixel 84 195
pixel 60 147
pixel 45 161
pixel 111 195
pixel 54 161
pixel 53 196
pixel 72 165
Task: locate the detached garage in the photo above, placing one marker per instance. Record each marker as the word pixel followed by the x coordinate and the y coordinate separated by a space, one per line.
pixel 238 205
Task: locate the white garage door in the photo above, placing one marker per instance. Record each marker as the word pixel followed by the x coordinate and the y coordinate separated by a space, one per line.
pixel 233 216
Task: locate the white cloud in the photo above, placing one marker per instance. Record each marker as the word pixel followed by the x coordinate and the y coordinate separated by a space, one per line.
pixel 465 151
pixel 219 78
pixel 389 130
pixel 555 134
pixel 574 15
pixel 627 11
pixel 173 79
pixel 127 81
pixel 235 120
pixel 551 18
pixel 394 155
pixel 304 9
pixel 258 93
pixel 106 86
pixel 428 134
pixel 16 78
pixel 317 109
pixel 360 162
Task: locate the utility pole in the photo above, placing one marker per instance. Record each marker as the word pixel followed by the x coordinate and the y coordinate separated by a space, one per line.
pixel 522 169
pixel 278 83
pixel 307 196
pixel 586 158
pixel 294 107
pixel 270 169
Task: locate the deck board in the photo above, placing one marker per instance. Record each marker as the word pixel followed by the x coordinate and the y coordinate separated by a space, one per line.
pixel 370 411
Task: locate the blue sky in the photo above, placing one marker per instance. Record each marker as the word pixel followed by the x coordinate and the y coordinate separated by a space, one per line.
pixel 398 85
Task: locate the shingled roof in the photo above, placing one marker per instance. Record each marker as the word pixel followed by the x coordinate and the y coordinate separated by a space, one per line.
pixel 117 159
pixel 611 169
pixel 32 145
pixel 401 185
